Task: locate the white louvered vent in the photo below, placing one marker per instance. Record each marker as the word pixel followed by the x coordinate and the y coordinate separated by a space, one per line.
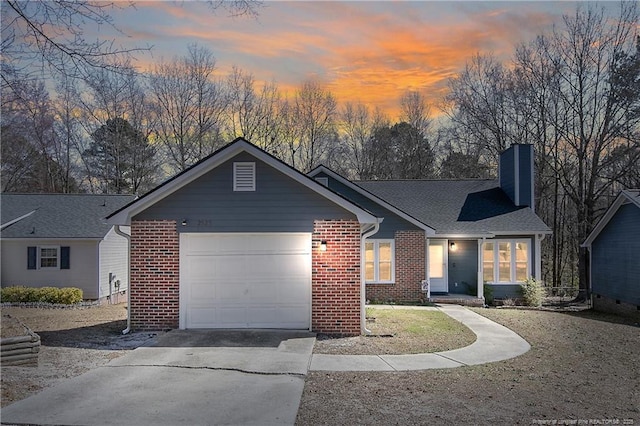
pixel 244 176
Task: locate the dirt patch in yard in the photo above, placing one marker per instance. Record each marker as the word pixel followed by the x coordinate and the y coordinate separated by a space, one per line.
pixel 583 368
pixel 73 341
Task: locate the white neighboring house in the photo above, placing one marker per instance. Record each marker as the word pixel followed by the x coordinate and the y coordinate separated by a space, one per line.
pixel 63 240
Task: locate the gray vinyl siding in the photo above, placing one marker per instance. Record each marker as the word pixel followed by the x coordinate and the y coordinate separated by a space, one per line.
pixel 463 267
pixel 279 203
pixel 615 255
pixel 391 223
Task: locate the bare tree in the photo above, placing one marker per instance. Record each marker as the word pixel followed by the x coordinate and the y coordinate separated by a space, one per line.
pixel 574 94
pixel 313 113
pixel 187 107
pixel 357 125
pixel 252 114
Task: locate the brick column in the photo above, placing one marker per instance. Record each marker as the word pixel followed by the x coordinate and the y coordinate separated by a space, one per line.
pixel 410 271
pixel 155 275
pixel 335 305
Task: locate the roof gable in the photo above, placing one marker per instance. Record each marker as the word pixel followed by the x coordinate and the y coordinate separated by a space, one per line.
pixel 631 196
pixel 58 216
pixel 362 191
pixel 124 215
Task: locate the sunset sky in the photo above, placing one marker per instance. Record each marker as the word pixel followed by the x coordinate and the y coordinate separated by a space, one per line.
pixel 362 51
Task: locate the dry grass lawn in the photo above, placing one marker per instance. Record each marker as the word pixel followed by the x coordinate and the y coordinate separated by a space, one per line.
pixel 582 367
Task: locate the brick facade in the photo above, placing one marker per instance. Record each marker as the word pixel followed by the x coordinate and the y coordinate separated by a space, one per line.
pixel 335 305
pixel 155 275
pixel 410 271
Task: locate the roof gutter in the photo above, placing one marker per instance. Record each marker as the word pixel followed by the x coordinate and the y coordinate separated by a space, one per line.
pixel 128 238
pixel 366 233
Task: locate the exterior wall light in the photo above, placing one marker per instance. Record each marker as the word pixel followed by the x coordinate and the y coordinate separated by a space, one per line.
pixel 184 222
pixel 453 246
pixel 323 245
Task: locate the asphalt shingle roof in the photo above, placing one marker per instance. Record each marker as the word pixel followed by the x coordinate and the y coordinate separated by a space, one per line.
pixel 458 206
pixel 58 215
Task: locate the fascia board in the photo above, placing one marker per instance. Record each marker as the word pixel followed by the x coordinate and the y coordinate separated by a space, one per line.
pixel 465 236
pixel 428 230
pixel 604 220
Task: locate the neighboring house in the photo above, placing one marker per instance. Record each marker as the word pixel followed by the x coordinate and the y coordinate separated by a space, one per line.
pixel 242 240
pixel 453 233
pixel 614 256
pixel 63 240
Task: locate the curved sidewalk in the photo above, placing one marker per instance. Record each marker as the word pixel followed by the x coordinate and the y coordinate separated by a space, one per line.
pixel 494 343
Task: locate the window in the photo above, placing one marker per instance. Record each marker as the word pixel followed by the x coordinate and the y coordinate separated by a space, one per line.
pixel 505 261
pixel 379 261
pixel 487 262
pixel 48 257
pixel 244 176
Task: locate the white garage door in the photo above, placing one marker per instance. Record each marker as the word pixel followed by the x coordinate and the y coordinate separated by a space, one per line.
pixel 245 281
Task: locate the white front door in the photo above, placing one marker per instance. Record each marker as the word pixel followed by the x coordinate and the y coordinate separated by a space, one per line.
pixel 438 255
pixel 245 281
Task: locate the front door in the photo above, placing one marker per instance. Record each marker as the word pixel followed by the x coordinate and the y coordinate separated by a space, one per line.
pixel 438 266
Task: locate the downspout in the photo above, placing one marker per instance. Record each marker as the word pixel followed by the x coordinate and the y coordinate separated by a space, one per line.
pixel 363 314
pixel 128 238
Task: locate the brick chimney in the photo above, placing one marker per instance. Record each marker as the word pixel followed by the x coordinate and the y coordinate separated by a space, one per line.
pixel 515 174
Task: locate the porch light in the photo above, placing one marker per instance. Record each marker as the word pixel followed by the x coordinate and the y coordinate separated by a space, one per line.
pixel 323 245
pixel 453 246
pixel 184 222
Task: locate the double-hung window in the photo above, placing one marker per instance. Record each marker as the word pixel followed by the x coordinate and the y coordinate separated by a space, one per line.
pixel 48 257
pixel 379 261
pixel 506 261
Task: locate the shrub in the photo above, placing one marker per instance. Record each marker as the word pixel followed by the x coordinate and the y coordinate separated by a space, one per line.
pixel 55 295
pixel 488 294
pixel 532 292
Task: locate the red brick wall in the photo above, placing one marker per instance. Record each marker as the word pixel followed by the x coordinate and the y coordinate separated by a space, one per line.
pixel 335 305
pixel 155 275
pixel 410 271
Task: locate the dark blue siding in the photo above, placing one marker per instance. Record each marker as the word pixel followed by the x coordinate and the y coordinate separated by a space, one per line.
pixel 463 267
pixel 507 175
pixel 279 204
pixel 506 291
pixel 615 257
pixel 391 222
pixel 522 189
pixel 525 152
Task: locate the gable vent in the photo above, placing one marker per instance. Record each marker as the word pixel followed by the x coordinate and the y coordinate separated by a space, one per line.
pixel 244 176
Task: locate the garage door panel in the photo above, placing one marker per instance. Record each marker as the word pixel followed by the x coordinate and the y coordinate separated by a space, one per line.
pixel 246 280
pixel 231 317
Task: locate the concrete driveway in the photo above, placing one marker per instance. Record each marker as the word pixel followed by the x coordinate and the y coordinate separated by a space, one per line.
pixel 194 377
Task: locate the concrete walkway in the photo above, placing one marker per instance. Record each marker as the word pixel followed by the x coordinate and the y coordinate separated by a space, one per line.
pixel 494 343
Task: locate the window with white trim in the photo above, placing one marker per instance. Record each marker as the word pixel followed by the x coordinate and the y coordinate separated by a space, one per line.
pixel 244 176
pixel 379 261
pixel 48 257
pixel 506 261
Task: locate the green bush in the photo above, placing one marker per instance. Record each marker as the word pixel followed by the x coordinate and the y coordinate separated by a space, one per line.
pixel 55 295
pixel 488 294
pixel 532 292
